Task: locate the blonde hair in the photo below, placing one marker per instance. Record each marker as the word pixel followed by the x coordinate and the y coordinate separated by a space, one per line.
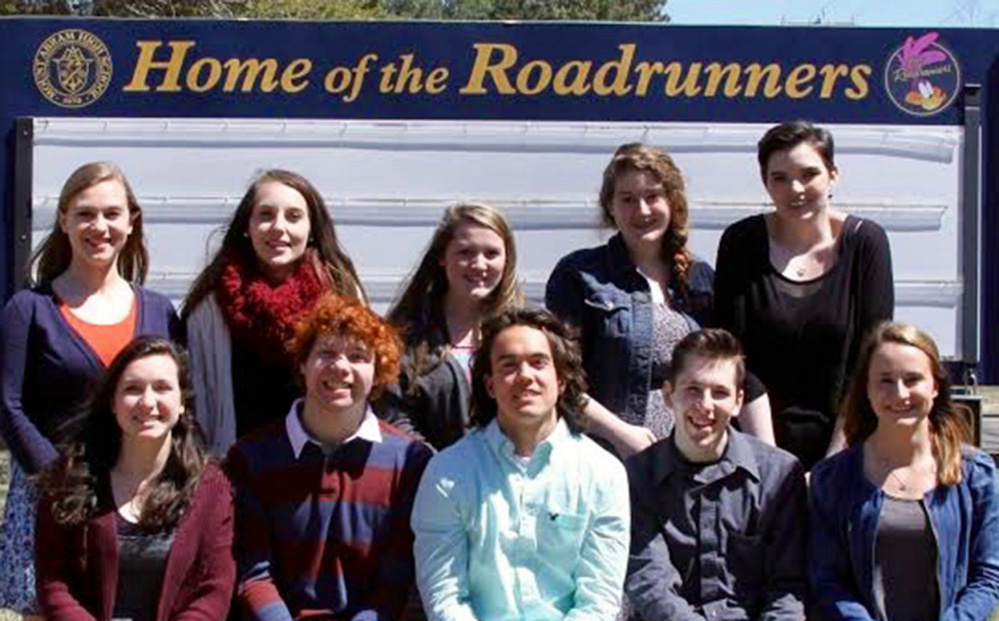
pixel 423 294
pixel 949 427
pixel 55 254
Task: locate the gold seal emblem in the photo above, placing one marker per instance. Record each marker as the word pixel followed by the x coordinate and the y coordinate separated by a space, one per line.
pixel 72 68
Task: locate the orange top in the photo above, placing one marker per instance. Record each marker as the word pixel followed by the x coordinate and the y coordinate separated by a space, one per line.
pixel 105 340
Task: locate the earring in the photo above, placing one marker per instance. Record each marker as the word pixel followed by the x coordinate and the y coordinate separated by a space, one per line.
pixel 246 234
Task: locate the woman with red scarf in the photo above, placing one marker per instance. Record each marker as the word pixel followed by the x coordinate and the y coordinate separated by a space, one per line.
pixel 278 256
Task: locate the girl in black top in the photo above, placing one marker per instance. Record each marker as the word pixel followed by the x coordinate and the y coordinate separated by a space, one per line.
pixel 800 286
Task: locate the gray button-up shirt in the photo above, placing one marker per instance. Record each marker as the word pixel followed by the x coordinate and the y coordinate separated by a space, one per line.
pixel 719 542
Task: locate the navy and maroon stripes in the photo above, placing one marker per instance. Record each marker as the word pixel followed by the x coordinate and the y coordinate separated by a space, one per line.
pixel 325 535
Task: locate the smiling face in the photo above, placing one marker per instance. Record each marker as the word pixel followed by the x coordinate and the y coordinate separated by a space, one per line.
pixel 148 400
pixel 523 380
pixel 900 385
pixel 640 209
pixel 799 182
pixel 97 222
pixel 705 398
pixel 339 374
pixel 473 262
pixel 279 229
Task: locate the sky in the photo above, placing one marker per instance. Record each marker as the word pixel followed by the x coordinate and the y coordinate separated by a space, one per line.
pixel 900 13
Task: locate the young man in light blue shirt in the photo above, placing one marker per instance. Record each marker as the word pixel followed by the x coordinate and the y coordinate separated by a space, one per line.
pixel 524 518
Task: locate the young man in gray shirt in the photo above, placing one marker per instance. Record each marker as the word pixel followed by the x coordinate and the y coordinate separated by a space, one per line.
pixel 719 518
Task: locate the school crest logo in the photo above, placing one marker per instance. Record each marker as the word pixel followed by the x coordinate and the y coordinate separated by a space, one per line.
pixel 72 68
pixel 922 77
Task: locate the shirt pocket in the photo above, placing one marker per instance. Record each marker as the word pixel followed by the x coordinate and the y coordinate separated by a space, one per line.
pixel 611 311
pixel 746 555
pixel 560 536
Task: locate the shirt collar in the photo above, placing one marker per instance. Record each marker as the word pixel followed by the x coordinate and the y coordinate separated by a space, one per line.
pixel 667 459
pixel 369 429
pixel 503 447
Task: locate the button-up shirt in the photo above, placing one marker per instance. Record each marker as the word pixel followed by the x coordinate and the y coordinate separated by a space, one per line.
pixel 723 541
pixel 499 537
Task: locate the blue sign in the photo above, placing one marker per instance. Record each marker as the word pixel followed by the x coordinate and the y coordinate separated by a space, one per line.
pixel 480 71
pixel 580 72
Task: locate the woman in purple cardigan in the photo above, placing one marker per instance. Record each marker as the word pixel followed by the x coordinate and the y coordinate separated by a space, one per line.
pixel 57 338
pixel 133 523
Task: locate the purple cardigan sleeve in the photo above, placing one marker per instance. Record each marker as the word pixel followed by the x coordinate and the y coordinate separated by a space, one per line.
pixel 47 371
pixel 29 446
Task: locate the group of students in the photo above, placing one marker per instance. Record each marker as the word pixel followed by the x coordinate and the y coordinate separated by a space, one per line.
pixel 325 414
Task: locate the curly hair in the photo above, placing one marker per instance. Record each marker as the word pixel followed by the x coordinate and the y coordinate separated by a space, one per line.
pixel 236 245
pixel 78 484
pixel 349 317
pixel 566 355
pixel 55 254
pixel 635 156
pixel 788 135
pixel 949 427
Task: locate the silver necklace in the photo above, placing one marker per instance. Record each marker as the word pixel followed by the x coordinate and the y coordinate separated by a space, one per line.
pixel 901 484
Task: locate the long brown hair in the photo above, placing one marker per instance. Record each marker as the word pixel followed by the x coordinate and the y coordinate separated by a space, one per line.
pixel 419 310
pixel 948 420
pixel 638 157
pixel 236 245
pixel 77 484
pixel 55 254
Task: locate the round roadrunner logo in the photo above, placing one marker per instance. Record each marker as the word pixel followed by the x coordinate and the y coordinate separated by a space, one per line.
pixel 72 68
pixel 922 77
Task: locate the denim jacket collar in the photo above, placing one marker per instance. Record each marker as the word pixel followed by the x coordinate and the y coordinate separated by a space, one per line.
pixel 618 258
pixel 621 266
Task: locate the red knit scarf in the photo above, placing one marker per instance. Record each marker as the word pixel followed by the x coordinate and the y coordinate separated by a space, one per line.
pixel 262 316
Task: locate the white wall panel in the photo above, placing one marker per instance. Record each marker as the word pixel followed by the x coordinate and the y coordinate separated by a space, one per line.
pixel 387 182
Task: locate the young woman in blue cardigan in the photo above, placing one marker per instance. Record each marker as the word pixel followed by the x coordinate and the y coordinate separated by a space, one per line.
pixel 905 522
pixel 57 338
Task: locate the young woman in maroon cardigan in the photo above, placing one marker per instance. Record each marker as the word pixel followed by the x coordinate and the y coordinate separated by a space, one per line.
pixel 133 523
pixel 58 337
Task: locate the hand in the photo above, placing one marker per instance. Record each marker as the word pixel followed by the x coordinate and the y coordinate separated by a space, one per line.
pixel 630 439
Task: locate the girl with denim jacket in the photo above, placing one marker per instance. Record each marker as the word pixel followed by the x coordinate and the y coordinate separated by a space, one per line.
pixel 635 297
pixel 905 522
pixel 468 272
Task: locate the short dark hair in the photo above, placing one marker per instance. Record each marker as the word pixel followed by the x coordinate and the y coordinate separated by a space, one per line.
pixel 566 355
pixel 711 343
pixel 790 134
